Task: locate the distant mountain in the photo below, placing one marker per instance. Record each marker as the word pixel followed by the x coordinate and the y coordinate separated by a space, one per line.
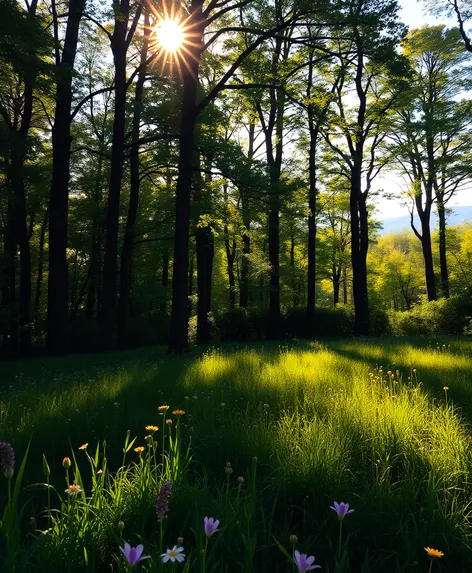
pixel 398 224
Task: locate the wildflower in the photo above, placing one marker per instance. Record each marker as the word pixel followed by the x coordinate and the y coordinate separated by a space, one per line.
pixel 163 408
pixel 152 428
pixel 148 437
pixel 99 472
pixel 266 405
pixel 83 446
pixel 210 525
pixel 446 388
pixel 240 480
pixel 342 509
pixel 178 412
pixel 293 539
pixel 66 463
pixel 133 555
pixel 228 469
pixel 434 553
pixel 162 503
pixel 139 449
pixel 169 422
pixel 303 562
pixel 222 404
pixel 180 540
pixel 73 489
pixel 7 459
pixel 121 525
pixel 173 555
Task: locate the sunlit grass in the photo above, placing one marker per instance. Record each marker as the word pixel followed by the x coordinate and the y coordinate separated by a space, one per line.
pixel 326 421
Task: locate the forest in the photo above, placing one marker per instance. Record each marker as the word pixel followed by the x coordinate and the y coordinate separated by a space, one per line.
pixel 180 172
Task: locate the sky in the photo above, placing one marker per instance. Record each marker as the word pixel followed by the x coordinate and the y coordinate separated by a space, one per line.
pixel 413 16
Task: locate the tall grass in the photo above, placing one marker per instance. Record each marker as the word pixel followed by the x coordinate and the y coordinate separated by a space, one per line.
pixel 365 422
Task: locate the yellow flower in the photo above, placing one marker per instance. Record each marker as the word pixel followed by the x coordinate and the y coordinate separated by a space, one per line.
pixel 169 421
pixel 446 388
pixel 266 405
pixel 149 437
pixel 163 408
pixel 178 412
pixel 83 446
pixel 139 449
pixel 152 428
pixel 435 553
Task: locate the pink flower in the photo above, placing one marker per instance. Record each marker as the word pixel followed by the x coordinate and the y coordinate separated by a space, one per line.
pixel 303 562
pixel 133 555
pixel 342 509
pixel 211 526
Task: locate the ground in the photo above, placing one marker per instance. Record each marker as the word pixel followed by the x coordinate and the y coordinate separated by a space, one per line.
pixel 382 424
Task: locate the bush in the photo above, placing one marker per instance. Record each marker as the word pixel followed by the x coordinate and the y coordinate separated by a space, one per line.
pixel 336 321
pixel 444 316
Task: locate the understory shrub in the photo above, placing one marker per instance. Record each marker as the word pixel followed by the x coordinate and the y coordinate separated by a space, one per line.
pixel 443 316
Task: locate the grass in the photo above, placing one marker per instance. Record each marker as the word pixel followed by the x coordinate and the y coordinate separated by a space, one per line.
pixel 304 424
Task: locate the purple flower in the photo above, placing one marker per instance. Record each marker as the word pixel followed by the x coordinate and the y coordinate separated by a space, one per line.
pixel 133 555
pixel 7 459
pixel 211 526
pixel 303 562
pixel 162 504
pixel 342 509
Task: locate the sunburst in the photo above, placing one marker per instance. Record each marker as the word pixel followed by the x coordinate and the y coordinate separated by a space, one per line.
pixel 176 39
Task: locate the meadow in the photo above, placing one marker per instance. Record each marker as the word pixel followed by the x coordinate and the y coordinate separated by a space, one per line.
pixel 262 437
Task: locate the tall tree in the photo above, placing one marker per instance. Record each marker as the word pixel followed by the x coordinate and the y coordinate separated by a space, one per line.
pixel 58 303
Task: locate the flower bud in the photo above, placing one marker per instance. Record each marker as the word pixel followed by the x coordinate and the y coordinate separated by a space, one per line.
pixel 293 539
pixel 121 525
pixel 66 463
pixel 46 469
pixel 180 540
pixel 240 480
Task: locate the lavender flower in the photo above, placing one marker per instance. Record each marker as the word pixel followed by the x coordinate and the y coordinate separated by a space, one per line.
pixel 342 509
pixel 162 504
pixel 303 562
pixel 7 459
pixel 210 525
pixel 133 555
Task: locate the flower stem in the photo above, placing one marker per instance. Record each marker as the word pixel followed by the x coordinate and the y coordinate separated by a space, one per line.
pixel 204 556
pixel 430 566
pixel 340 536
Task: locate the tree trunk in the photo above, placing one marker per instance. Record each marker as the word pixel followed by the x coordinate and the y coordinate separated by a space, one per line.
pixel 246 216
pixel 428 259
pixel 336 284
pixel 127 250
pixel 359 246
pixel 205 254
pixel 165 279
pixel 345 290
pixel 230 256
pixel 442 249
pixel 58 310
pixel 109 282
pixel 39 278
pixel 10 331
pixel 178 342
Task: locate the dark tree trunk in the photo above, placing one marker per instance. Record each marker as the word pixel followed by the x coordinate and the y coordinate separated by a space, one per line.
pixel 190 285
pixel 442 249
pixel 179 316
pixel 127 250
pixel 119 46
pixel 345 289
pixel 336 284
pixel 359 247
pixel 39 278
pixel 230 249
pixel 246 216
pixel 58 310
pixel 428 259
pixel 295 292
pixel 165 279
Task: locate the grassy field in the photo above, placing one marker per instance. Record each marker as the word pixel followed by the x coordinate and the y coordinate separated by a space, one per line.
pixel 365 422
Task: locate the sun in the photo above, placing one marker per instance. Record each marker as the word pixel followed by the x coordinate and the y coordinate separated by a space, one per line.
pixel 170 34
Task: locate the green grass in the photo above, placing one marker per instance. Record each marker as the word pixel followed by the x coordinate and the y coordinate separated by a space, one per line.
pixel 325 422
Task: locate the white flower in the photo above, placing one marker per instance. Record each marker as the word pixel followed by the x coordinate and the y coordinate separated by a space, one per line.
pixel 173 555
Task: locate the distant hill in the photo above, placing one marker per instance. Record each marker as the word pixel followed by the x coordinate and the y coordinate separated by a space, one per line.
pixel 398 224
